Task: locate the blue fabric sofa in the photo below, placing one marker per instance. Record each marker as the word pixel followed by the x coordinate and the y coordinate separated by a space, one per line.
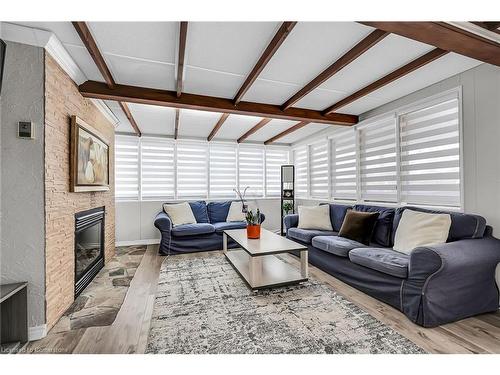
pixel 206 234
pixel 432 285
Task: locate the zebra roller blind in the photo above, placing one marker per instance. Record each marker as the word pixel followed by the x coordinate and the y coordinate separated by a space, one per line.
pixel 223 170
pixel 377 160
pixel 430 155
pixel 126 167
pixel 157 168
pixel 319 169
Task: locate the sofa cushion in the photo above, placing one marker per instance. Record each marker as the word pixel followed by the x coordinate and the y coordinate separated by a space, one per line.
pixel 337 214
pixel 179 213
pixel 192 229
pixel 462 225
pixel 306 235
pixel 200 211
pixel 335 245
pixel 383 260
pixel 219 227
pixel 315 218
pixel 358 226
pixel 235 212
pixel 382 233
pixel 417 229
pixel 217 211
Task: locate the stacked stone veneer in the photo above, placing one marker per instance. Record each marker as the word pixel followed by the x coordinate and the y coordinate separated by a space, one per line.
pixel 62 100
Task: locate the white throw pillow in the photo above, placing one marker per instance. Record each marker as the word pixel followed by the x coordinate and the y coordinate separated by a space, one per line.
pixel 317 217
pixel 421 229
pixel 179 213
pixel 235 213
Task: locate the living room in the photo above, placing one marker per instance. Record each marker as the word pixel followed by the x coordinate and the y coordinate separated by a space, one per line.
pixel 249 185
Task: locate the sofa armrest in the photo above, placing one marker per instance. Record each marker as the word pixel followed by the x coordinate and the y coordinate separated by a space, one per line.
pixel 163 222
pixel 291 221
pixel 451 281
pixel 462 258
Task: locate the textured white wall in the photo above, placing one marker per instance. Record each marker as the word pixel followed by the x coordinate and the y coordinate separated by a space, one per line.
pixel 22 182
pixel 134 220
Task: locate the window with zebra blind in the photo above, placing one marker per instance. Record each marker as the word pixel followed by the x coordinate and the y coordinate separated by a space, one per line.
pixel 378 160
pixel 126 167
pixel 411 155
pixel 251 170
pixel 430 155
pixel 157 168
pixel 319 169
pixel 223 170
pixel 343 166
pixel 192 169
pixel 300 159
pixel 275 158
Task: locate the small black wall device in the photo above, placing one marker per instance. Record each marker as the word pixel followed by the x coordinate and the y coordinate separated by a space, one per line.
pixel 2 61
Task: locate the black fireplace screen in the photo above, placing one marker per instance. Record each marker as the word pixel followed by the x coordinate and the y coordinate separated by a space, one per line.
pixel 89 246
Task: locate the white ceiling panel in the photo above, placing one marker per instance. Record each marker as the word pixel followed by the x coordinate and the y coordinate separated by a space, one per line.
pixel 387 55
pixel 274 127
pixel 212 83
pixel 124 125
pixel 235 126
pixel 306 131
pixel 131 71
pixel 310 48
pixel 153 119
pixel 438 70
pixel 64 31
pixel 232 47
pixel 197 123
pixel 270 92
pixel 84 61
pixel 155 41
pixel 319 99
pixel 362 105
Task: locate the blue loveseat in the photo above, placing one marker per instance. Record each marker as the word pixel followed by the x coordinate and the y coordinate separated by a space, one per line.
pixel 432 285
pixel 206 234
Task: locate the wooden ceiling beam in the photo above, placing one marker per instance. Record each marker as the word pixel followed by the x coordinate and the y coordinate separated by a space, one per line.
pixel 130 118
pixel 88 40
pixel 165 98
pixel 396 74
pixel 259 125
pixel 182 52
pixel 286 132
pixel 445 37
pixel 364 45
pixel 217 126
pixel 276 42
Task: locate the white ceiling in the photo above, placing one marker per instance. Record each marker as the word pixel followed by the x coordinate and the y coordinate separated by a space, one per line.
pixel 219 55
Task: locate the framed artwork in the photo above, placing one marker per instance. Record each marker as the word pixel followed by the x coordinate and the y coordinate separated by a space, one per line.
pixel 89 158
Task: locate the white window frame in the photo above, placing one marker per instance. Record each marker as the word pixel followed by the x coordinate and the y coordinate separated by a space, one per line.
pixel 208 196
pixel 397 113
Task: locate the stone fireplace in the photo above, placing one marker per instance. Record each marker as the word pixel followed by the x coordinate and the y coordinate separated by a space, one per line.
pixel 89 246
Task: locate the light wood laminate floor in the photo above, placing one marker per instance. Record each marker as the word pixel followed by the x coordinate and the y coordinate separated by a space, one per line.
pixel 129 331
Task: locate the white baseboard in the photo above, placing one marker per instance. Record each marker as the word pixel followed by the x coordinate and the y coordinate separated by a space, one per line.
pixel 37 332
pixel 153 241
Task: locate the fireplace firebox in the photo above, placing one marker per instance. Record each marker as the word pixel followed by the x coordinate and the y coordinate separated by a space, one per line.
pixel 89 246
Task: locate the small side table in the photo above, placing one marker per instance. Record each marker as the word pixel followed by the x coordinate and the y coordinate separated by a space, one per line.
pixel 14 304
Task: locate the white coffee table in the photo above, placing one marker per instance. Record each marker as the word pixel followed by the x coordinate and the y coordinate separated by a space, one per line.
pixel 256 261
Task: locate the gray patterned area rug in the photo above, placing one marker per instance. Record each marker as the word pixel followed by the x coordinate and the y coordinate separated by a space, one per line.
pixel 202 306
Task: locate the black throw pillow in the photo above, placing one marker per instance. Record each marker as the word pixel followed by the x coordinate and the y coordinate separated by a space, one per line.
pixel 358 226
